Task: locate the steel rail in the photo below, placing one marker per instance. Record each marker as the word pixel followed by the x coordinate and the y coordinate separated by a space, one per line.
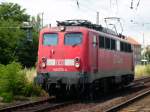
pixel 38 106
pixel 139 81
pixel 126 103
pixel 16 107
pixel 145 79
pixel 54 106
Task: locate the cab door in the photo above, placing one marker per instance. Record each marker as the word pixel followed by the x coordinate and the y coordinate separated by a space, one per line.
pixel 93 50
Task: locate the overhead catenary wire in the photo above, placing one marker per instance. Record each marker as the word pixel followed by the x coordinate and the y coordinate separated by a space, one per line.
pixel 114 4
pixel 135 9
pixel 88 7
pixel 137 4
pixel 78 3
pixel 93 6
pixel 131 4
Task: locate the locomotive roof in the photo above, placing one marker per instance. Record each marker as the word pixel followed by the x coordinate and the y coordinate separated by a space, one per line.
pixel 73 24
pixel 87 24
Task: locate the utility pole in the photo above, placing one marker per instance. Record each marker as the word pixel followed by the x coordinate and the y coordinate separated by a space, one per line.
pixel 97 18
pixel 42 19
pixel 144 59
pixel 143 36
pixel 41 16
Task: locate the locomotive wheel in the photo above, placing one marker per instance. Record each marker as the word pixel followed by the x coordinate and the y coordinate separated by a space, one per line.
pixel 61 95
pixel 91 92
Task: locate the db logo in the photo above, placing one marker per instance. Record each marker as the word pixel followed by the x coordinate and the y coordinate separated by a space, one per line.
pixel 60 62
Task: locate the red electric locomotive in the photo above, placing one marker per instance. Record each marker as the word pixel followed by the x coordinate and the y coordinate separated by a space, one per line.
pixel 78 57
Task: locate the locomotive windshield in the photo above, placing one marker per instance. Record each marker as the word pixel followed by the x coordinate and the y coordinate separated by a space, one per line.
pixel 73 39
pixel 50 39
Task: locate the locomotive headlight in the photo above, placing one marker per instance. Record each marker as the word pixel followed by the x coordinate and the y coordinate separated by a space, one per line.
pixel 43 64
pixel 77 59
pixel 62 28
pixel 77 62
pixel 77 65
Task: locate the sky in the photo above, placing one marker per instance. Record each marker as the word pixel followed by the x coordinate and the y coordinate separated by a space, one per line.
pixel 135 22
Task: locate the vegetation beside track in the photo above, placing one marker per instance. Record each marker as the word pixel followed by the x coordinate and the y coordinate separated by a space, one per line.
pixel 15 45
pixel 30 73
pixel 142 70
pixel 13 82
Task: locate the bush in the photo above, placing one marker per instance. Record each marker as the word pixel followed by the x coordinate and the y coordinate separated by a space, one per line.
pixel 13 81
pixel 32 90
pixel 142 70
pixel 148 69
pixel 30 74
pixel 7 97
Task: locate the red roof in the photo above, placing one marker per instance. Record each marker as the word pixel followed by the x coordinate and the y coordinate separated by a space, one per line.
pixel 132 41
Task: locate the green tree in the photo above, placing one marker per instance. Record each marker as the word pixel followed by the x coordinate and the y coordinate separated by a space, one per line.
pixel 13 11
pixel 8 40
pixel 13 40
pixel 26 51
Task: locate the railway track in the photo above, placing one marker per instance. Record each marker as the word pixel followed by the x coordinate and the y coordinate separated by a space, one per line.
pixel 38 106
pixel 51 103
pixel 115 101
pixel 128 101
pixel 140 88
pixel 144 79
pixel 134 97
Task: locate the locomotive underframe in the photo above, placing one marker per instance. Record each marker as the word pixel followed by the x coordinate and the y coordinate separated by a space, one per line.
pixel 77 83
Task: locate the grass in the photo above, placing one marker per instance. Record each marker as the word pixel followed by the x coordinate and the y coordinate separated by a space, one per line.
pixel 142 70
pixel 31 89
pixel 30 74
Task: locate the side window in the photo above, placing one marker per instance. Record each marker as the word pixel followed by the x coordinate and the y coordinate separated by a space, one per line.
pixel 113 44
pixel 129 48
pixel 107 43
pixel 101 42
pixel 118 45
pixel 122 46
pixel 126 47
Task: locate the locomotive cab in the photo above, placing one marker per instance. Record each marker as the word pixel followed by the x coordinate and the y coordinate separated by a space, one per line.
pixel 61 58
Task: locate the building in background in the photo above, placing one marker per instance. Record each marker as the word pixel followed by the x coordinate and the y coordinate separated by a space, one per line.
pixel 136 46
